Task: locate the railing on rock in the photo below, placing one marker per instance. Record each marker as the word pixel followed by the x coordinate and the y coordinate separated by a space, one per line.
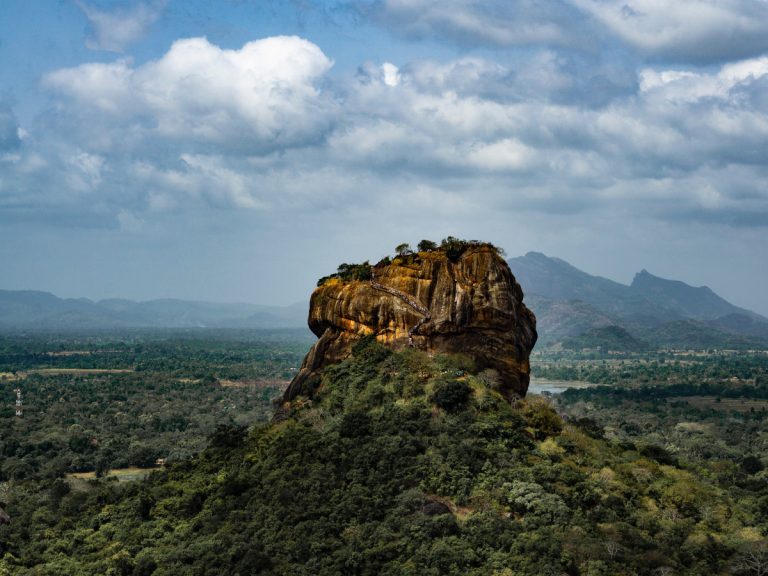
pixel 408 299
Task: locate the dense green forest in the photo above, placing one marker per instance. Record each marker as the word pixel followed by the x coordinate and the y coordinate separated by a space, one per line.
pixel 406 464
pixel 96 402
pixel 662 367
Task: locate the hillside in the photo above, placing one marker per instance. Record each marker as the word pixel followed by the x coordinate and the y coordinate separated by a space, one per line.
pixel 569 303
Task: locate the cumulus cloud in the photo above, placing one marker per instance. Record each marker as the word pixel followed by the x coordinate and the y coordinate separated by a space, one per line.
pixel 114 30
pixel 259 98
pixel 265 129
pixel 686 30
pixel 670 148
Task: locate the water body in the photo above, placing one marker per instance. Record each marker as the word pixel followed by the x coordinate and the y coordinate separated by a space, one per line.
pixel 542 385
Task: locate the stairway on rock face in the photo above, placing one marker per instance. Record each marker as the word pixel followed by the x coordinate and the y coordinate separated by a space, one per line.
pixel 408 300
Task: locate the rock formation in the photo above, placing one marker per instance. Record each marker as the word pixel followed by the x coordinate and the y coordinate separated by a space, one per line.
pixel 469 304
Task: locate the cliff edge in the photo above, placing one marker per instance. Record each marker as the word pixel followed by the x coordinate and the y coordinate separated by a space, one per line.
pixel 440 301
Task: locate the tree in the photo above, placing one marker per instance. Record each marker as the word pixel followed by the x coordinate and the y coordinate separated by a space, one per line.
pixel 453 247
pixel 403 249
pixel 451 395
pixel 753 559
pixel 427 246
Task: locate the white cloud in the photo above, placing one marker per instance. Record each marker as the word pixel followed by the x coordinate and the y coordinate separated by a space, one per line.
pixel 689 86
pixel 687 30
pixel 261 97
pixel 264 129
pixel 115 30
pixel 391 74
pixel 507 154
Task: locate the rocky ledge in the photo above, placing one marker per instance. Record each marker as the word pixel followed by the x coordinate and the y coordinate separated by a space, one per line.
pixel 438 301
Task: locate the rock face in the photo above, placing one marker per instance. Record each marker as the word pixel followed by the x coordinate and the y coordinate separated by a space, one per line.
pixel 472 305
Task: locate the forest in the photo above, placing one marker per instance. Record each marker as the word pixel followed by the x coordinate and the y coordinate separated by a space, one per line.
pixel 402 464
pixel 96 402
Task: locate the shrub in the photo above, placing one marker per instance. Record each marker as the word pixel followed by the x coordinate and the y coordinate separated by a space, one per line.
pixel 451 395
pixel 427 246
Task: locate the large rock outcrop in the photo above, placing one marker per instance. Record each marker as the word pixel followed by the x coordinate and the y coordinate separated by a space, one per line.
pixel 471 305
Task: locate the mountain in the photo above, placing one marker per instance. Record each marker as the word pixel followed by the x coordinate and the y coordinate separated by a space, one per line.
pixel 613 338
pixel 690 302
pixel 27 309
pixel 569 302
pixel 559 319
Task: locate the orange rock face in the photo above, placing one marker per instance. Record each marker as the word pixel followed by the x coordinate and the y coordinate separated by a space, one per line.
pixel 471 306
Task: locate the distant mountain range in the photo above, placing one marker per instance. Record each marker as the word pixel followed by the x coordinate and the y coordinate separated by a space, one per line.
pixel 578 310
pixel 573 309
pixel 27 309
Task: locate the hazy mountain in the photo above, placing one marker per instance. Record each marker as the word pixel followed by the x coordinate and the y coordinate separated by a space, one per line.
pixel 690 302
pixel 570 302
pixel 559 319
pixel 42 310
pixel 614 338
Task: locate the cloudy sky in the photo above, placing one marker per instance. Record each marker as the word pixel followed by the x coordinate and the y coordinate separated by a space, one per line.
pixel 237 150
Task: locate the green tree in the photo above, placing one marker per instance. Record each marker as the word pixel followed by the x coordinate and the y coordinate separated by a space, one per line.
pixel 403 249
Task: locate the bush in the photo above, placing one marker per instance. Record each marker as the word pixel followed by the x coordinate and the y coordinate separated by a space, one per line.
pixel 427 246
pixel 355 425
pixel 451 395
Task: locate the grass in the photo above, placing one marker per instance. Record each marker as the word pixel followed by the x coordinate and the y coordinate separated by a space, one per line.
pixel 130 474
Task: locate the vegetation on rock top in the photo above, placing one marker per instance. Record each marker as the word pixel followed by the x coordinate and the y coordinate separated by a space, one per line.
pixel 452 247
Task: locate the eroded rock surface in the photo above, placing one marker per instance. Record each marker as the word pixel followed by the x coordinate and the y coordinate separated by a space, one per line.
pixel 472 305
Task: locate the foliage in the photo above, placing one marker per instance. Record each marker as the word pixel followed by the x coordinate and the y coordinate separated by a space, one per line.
pixel 451 394
pixel 95 403
pixel 350 272
pixel 400 465
pixel 403 249
pixel 452 247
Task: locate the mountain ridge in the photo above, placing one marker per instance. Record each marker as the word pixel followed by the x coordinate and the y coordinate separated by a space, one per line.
pixel 33 309
pixel 570 302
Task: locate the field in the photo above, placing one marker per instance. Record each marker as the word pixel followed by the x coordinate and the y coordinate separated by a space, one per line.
pixel 79 480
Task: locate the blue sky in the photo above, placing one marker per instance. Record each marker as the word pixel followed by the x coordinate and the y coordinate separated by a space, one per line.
pixel 237 150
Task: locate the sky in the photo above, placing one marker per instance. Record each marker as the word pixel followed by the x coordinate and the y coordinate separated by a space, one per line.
pixel 237 150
